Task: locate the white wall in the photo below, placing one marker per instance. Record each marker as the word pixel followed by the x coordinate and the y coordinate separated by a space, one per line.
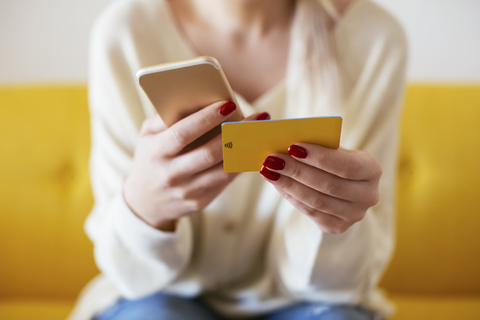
pixel 444 38
pixel 47 40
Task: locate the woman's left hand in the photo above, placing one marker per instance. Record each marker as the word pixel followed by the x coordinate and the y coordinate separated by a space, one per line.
pixel 334 187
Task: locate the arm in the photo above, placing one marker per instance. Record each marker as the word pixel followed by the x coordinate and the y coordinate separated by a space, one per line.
pixel 145 187
pixel 137 258
pixel 341 192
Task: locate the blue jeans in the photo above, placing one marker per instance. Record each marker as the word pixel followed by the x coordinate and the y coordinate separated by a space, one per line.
pixel 164 307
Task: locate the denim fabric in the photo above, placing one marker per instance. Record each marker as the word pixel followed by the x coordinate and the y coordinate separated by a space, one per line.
pixel 165 307
pixel 320 311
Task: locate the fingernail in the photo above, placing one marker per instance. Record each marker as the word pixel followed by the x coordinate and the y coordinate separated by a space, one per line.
pixel 263 116
pixel 274 163
pixel 297 151
pixel 270 175
pixel 227 108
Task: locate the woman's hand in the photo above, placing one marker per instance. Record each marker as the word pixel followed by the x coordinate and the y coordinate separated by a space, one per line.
pixel 165 184
pixel 333 187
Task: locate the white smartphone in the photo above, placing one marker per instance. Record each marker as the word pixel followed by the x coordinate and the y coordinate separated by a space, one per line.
pixel 181 88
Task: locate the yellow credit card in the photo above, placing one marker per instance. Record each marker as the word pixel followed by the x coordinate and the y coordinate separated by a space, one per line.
pixel 247 143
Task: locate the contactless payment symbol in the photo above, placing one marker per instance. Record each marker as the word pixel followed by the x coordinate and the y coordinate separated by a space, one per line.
pixel 229 145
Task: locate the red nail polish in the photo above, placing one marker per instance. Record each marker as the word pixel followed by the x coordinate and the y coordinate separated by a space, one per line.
pixel 297 151
pixel 263 116
pixel 274 163
pixel 270 175
pixel 227 108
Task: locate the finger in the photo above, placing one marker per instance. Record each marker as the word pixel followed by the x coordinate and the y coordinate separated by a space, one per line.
pixel 348 164
pixel 258 116
pixel 312 198
pixel 214 176
pixel 326 222
pixel 199 159
pixel 202 200
pixel 316 178
pixel 208 155
pixel 152 125
pixel 207 180
pixel 192 127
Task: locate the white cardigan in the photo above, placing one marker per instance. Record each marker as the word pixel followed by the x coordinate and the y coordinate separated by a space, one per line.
pixel 249 251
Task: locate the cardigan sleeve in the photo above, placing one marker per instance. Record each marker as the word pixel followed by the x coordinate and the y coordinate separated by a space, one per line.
pixel 357 257
pixel 136 257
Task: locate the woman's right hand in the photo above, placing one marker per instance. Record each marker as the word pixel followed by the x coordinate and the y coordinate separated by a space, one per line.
pixel 165 185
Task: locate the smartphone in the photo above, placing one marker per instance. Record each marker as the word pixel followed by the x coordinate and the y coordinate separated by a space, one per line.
pixel 181 88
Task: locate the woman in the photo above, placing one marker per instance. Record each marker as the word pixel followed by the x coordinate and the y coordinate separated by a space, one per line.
pixel 308 238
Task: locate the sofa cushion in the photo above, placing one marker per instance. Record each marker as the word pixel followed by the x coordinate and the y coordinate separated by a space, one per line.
pixel 35 309
pixel 415 307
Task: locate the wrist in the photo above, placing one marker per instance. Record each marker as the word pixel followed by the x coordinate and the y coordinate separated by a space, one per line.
pixel 166 225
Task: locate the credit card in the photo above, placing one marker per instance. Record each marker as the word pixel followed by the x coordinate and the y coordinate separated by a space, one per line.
pixel 247 143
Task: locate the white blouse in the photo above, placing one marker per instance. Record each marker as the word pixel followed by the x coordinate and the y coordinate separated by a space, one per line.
pixel 249 251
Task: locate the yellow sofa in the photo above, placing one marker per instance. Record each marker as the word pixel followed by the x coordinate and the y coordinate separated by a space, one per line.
pixel 45 196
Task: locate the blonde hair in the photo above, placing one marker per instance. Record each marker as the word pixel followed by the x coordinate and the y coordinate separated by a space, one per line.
pixel 312 80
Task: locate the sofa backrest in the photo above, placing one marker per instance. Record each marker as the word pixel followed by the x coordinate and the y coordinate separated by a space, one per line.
pixel 45 192
pixel 438 218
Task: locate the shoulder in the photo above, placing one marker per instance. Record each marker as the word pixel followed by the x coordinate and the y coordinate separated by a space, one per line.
pixel 124 19
pixel 367 21
pixel 367 30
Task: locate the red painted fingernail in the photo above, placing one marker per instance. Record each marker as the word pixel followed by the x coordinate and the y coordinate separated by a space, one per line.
pixel 274 163
pixel 227 108
pixel 270 175
pixel 297 151
pixel 263 116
